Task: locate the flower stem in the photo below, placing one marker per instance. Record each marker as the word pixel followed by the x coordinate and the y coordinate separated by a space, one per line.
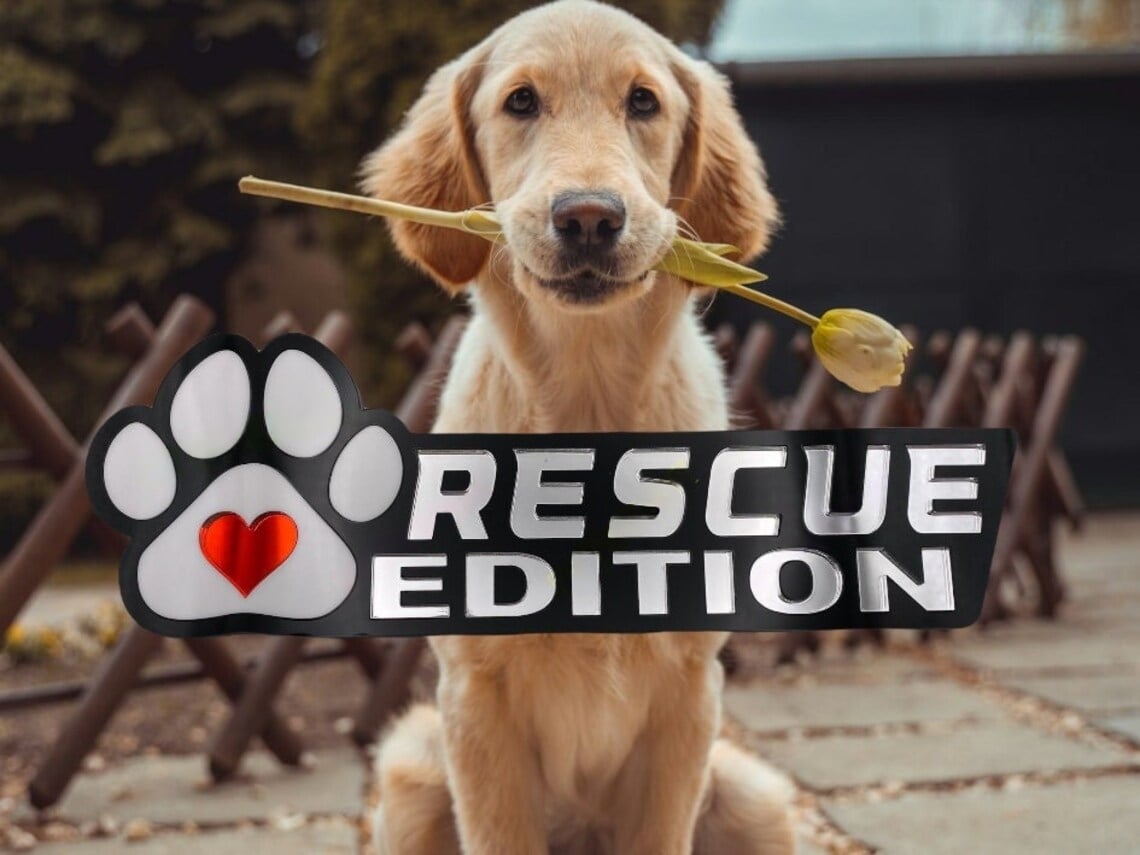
pixel 463 220
pixel 480 222
pixel 773 303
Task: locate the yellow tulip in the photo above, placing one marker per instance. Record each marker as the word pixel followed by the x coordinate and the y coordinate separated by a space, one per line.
pixel 861 349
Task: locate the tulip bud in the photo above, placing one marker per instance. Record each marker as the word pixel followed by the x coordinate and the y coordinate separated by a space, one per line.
pixel 861 349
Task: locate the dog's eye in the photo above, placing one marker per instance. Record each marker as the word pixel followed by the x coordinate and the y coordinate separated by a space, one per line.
pixel 522 102
pixel 643 103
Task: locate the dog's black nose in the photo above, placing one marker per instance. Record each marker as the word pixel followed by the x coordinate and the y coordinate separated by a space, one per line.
pixel 588 219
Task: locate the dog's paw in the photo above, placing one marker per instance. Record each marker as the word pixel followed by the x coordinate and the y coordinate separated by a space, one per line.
pixel 206 480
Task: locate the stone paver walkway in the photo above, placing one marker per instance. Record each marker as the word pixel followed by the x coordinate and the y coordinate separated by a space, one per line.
pixel 166 804
pixel 1024 738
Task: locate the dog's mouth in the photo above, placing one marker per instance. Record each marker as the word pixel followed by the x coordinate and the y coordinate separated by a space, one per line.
pixel 586 286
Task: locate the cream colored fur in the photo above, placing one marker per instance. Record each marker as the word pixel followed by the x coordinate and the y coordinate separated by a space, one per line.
pixel 576 743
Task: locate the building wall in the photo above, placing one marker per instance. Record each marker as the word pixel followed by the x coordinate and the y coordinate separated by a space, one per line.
pixel 991 200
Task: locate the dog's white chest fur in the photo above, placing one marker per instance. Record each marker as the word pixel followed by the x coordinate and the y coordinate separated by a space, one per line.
pixel 584 738
pixel 582 705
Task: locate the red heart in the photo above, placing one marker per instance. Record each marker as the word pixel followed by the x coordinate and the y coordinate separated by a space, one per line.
pixel 246 554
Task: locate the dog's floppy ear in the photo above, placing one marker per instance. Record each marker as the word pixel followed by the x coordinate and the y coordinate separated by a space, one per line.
pixel 430 162
pixel 719 183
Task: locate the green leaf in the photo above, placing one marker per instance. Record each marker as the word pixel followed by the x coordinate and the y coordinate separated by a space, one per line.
pixel 705 264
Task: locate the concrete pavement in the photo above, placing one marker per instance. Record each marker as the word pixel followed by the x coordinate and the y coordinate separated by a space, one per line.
pixel 1023 738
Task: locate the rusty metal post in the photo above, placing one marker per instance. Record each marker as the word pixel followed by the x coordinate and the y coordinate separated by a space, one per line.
pixel 335 332
pixel 121 668
pixel 811 399
pixel 1015 369
pixel 119 672
pixel 368 653
pixel 47 439
pixel 1033 535
pixel 48 537
pixel 959 361
pixel 1068 494
pixel 414 344
pixel 1027 485
pixel 745 388
pixel 726 343
pixel 109 687
pixel 252 709
pixel 949 396
pixel 887 408
pixel 814 398
pixel 389 691
pixel 1001 405
pixel 130 331
pixel 418 406
pixel 281 323
pixel 45 435
pixel 17 458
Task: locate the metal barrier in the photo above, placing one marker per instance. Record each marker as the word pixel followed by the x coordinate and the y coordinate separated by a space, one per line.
pixel 956 380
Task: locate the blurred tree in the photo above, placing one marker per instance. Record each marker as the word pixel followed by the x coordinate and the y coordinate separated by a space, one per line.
pixel 124 125
pixel 375 57
pixel 1103 23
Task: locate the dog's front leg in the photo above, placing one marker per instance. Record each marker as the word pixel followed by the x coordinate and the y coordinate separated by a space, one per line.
pixel 492 771
pixel 663 785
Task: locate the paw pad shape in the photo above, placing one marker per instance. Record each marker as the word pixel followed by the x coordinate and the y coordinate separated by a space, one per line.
pixel 234 486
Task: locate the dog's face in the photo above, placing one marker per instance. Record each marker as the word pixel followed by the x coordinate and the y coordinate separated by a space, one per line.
pixel 578 153
pixel 590 134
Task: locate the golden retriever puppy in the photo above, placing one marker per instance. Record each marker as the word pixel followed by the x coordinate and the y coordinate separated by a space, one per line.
pixel 592 136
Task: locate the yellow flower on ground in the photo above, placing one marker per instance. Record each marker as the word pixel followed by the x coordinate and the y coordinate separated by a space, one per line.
pixel 861 349
pixel 51 642
pixel 15 636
